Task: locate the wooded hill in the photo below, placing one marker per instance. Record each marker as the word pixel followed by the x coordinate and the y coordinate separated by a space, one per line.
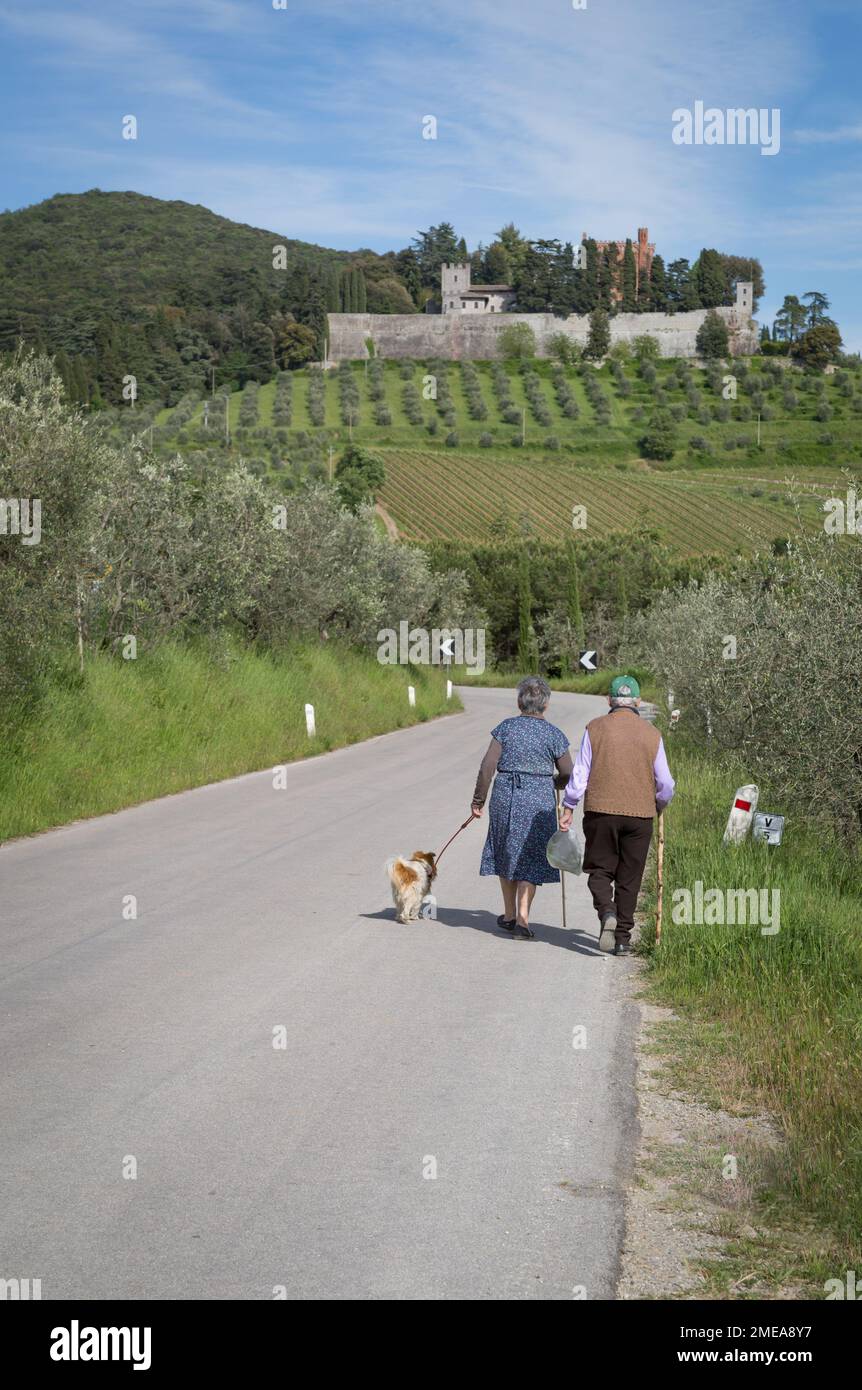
pixel 118 283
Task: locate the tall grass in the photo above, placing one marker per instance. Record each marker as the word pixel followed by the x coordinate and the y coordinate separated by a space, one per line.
pixel 181 716
pixel 786 1008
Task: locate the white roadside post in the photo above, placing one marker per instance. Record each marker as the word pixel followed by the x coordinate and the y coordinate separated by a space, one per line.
pixel 309 720
pixel 411 696
pixel 741 814
pixel 448 690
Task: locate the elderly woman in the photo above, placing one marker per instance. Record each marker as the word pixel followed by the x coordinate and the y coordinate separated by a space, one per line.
pixel 530 758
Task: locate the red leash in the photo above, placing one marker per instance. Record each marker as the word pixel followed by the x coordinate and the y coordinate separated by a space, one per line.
pixel 439 856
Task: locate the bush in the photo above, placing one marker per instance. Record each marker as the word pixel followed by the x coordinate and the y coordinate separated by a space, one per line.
pixel 518 341
pixel 659 441
pixel 646 348
pixel 486 441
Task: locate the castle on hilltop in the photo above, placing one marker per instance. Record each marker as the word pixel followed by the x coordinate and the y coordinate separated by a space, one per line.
pixel 458 295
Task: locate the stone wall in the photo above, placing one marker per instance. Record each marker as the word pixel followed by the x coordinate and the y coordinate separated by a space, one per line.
pixel 459 335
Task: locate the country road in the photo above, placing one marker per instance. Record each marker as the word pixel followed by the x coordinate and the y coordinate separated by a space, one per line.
pixel 439 1046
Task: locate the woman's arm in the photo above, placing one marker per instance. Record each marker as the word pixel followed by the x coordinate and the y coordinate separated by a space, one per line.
pixel 564 770
pixel 486 773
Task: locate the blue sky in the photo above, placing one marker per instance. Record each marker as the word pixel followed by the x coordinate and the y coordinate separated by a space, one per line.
pixel 308 120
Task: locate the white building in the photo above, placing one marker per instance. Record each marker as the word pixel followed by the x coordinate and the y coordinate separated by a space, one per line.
pixel 458 296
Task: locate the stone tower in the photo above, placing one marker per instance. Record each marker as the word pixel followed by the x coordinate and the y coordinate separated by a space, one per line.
pixel 454 280
pixel 744 305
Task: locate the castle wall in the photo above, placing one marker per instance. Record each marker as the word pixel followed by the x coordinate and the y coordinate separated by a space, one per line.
pixel 460 335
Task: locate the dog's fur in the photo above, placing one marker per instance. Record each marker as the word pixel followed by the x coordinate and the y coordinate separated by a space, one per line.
pixel 411 880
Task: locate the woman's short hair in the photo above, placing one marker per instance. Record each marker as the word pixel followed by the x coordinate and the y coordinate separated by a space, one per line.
pixel 533 695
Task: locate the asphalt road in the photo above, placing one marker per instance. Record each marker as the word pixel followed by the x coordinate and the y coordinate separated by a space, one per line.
pixel 443 1047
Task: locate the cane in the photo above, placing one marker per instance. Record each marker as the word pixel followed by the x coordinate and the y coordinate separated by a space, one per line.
pixel 562 872
pixel 659 878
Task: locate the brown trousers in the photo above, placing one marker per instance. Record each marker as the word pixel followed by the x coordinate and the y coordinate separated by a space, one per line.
pixel 615 859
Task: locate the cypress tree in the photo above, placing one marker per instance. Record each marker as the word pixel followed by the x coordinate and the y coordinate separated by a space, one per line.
pixel 333 297
pixel 528 658
pixel 599 337
pixel 622 596
pixel 658 300
pixel 361 291
pixel 629 300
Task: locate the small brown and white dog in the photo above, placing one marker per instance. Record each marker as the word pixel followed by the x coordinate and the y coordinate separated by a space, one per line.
pixel 411 880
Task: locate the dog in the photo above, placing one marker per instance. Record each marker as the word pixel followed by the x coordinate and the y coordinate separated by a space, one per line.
pixel 410 880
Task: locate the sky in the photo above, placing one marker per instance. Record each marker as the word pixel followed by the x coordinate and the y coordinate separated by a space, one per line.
pixel 558 115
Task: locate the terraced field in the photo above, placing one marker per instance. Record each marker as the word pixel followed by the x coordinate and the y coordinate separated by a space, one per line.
pixel 434 496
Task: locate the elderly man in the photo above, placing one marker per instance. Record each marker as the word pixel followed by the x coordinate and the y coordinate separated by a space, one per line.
pixel 622 768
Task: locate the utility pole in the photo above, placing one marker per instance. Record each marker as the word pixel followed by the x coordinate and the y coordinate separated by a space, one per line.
pixel 758 429
pixel 524 426
pixel 227 420
pixel 331 452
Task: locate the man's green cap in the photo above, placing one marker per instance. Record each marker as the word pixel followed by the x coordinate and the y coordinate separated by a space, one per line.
pixel 622 686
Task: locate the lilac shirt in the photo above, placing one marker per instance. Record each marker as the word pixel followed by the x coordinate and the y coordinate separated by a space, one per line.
pixel 664 783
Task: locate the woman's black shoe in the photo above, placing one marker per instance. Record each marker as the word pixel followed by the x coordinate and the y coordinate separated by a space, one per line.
pixel 523 933
pixel 507 923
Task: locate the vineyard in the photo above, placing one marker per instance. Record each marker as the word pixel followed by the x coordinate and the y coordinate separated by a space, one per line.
pixel 437 496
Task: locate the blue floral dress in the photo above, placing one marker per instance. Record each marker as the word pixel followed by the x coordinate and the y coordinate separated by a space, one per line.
pixel 522 814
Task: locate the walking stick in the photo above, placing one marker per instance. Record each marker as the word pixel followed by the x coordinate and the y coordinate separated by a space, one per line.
pixel 562 873
pixel 659 878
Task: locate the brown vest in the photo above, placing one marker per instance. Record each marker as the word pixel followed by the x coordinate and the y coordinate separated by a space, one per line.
pixel 622 779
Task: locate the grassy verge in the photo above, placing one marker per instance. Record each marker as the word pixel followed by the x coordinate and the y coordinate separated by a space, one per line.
pixel 588 683
pixel 773 1021
pixel 181 716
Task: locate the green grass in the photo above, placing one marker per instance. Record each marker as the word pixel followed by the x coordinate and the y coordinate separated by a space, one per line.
pixel 792 436
pixel 183 716
pixel 775 1020
pixel 587 683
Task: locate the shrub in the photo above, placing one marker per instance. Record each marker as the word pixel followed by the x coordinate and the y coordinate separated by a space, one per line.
pixel 659 441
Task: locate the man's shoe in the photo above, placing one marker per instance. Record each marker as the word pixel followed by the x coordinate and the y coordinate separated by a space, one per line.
pixel 622 948
pixel 609 927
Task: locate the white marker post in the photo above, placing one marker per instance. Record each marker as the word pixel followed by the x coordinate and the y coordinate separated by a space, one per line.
pixel 448 690
pixel 741 814
pixel 309 720
pixel 411 696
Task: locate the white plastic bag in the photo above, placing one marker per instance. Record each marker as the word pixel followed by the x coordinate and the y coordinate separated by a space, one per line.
pixel 565 850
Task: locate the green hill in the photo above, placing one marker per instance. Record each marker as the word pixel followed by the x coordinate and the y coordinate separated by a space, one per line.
pixel 120 283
